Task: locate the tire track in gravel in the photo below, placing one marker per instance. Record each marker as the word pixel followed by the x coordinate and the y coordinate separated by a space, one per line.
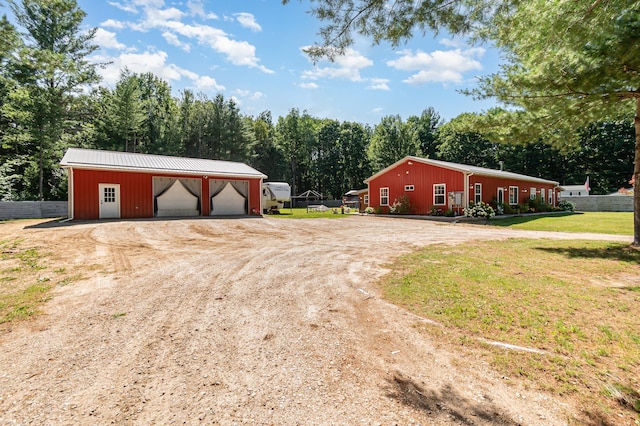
pixel 256 321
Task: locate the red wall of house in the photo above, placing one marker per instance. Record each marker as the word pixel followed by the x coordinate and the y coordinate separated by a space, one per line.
pixel 422 177
pixel 490 187
pixel 136 193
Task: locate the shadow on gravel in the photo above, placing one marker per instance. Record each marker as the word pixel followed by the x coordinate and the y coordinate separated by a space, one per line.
pixel 445 402
pixel 58 223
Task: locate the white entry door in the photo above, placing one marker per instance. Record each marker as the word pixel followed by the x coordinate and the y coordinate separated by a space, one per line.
pixel 500 196
pixel 109 200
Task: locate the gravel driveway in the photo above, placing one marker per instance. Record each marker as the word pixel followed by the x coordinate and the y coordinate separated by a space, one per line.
pixel 246 321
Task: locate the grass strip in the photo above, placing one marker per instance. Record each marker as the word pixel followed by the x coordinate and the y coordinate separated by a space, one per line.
pixel 578 301
pixel 614 223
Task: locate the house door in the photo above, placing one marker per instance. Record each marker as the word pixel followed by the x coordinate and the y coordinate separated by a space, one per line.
pixel 109 200
pixel 500 196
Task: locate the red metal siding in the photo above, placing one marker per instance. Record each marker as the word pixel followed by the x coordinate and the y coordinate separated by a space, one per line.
pixel 136 193
pixel 490 187
pixel 422 177
pixel 136 196
pixel 255 196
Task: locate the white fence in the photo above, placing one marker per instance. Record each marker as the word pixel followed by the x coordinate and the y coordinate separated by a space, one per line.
pixel 602 203
pixel 32 209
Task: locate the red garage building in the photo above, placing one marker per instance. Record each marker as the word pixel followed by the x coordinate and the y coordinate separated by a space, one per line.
pixel 106 184
pixel 442 185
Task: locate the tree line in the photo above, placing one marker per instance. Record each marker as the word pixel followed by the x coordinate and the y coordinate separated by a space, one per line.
pixel 45 108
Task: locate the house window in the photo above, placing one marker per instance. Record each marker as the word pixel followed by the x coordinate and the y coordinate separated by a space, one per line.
pixel 532 193
pixel 408 187
pixel 551 197
pixel 513 195
pixel 439 192
pixel 384 196
pixel 478 193
pixel 366 200
pixel 543 196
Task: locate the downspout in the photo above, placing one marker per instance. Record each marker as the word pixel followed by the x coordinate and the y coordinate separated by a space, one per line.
pixel 70 192
pixel 465 204
pixel 261 197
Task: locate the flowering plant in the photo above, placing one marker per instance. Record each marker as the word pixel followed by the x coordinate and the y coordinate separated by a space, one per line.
pixel 369 210
pixel 479 210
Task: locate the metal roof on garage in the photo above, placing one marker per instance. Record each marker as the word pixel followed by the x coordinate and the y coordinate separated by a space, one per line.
pixel 127 161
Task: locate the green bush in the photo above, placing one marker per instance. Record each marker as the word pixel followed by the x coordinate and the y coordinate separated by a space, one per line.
pixel 566 205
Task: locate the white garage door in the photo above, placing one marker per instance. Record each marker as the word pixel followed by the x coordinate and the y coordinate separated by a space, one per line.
pixel 229 198
pixel 176 197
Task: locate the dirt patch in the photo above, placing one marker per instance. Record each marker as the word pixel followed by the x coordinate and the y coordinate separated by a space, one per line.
pixel 256 321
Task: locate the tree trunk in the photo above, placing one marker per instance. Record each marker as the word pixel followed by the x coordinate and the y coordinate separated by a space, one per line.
pixel 636 178
pixel 41 172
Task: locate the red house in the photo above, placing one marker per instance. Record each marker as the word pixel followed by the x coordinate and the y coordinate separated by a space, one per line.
pixel 445 186
pixel 106 184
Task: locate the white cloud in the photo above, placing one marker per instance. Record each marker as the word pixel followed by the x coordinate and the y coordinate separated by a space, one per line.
pixel 206 83
pixel 112 23
pixel 153 62
pixel 308 85
pixel 379 84
pixel 239 53
pixel 196 8
pixel 377 110
pixel 251 96
pixel 452 43
pixel 124 6
pixel 247 20
pixel 347 67
pixel 439 66
pixel 107 40
pixel 173 40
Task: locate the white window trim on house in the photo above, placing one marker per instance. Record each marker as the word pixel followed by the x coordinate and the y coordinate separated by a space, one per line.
pixel 543 195
pixel 551 197
pixel 477 192
pixel 409 187
pixel 384 196
pixel 366 200
pixel 437 194
pixel 513 193
pixel 532 193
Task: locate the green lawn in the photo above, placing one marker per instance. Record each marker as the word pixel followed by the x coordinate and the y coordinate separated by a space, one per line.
pixel 302 213
pixel 617 223
pixel 578 301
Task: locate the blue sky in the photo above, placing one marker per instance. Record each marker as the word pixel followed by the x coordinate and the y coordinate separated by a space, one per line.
pixel 251 50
